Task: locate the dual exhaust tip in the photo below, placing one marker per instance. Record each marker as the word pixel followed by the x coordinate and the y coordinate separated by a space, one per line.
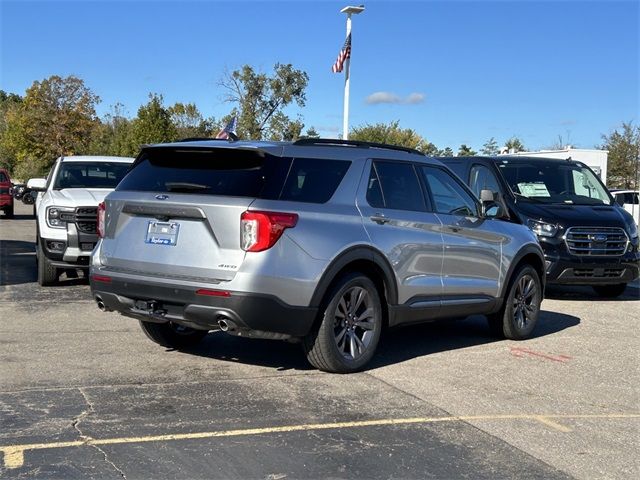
pixel 225 324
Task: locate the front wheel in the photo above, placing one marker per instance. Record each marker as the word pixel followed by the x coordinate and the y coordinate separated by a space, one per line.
pixel 610 291
pixel 519 314
pixel 47 273
pixel 172 335
pixel 350 329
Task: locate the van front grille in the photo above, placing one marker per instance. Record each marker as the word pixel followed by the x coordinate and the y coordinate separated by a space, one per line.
pixel 87 219
pixel 596 241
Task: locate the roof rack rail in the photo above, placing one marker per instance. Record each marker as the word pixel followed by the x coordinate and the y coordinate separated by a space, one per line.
pixel 198 139
pixel 353 143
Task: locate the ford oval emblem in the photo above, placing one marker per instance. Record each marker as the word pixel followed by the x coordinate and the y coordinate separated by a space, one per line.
pixel 162 197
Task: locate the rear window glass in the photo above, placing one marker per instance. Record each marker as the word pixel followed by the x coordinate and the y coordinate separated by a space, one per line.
pixel 238 173
pixel 312 180
pixel 90 175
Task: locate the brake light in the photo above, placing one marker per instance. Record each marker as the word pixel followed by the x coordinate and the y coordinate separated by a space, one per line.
pixel 101 213
pixel 261 230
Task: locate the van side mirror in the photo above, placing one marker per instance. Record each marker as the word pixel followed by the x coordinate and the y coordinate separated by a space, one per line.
pixel 37 184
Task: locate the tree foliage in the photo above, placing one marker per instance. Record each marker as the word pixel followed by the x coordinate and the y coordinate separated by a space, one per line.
pixel 57 117
pixel 113 136
pixel 8 101
pixel 515 144
pixel 260 101
pixel 392 134
pixel 189 122
pixel 153 123
pixel 490 147
pixel 465 151
pixel 624 156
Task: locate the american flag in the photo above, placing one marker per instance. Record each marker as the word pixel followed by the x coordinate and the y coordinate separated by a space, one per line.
pixel 343 55
pixel 229 132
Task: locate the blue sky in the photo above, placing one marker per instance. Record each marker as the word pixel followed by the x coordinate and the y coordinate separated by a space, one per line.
pixel 481 69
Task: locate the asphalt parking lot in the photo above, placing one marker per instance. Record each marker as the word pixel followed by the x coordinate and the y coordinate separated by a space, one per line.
pixel 84 394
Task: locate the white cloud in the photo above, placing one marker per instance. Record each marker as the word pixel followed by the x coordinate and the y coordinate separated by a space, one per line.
pixel 389 97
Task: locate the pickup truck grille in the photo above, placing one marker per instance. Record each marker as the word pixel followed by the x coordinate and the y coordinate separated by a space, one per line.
pixel 596 241
pixel 87 219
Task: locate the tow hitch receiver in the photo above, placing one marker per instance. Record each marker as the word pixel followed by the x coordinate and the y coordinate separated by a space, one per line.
pixel 149 307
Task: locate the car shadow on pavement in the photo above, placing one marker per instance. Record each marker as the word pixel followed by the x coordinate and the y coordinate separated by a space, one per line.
pixel 397 346
pixel 578 292
pixel 17 262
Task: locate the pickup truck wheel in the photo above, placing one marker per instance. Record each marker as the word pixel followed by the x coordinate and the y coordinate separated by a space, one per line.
pixel 47 273
pixel 349 332
pixel 610 291
pixel 519 314
pixel 172 335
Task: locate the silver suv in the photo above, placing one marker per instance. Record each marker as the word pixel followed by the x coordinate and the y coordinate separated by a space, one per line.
pixel 326 242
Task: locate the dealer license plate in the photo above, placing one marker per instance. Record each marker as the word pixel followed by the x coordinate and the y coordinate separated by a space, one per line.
pixel 162 233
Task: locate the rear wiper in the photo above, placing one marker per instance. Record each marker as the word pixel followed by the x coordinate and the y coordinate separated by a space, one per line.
pixel 185 186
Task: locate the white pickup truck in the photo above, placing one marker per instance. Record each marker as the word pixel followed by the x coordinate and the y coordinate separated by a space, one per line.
pixel 66 211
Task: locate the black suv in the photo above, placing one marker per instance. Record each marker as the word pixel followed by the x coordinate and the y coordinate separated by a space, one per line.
pixel 587 238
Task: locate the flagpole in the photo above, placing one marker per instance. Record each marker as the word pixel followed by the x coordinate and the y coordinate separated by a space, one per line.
pixel 345 114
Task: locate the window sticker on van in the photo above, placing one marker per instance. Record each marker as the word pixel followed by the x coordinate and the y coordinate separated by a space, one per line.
pixel 533 189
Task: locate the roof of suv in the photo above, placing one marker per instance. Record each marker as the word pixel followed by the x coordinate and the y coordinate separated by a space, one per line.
pixel 95 158
pixel 312 148
pixel 509 158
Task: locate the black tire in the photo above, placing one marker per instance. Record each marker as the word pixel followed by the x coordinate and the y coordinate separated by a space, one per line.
pixel 610 291
pixel 349 330
pixel 8 211
pixel 47 273
pixel 518 315
pixel 172 335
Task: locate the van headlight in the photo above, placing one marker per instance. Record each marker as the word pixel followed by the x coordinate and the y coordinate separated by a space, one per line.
pixel 542 229
pixel 632 230
pixel 57 217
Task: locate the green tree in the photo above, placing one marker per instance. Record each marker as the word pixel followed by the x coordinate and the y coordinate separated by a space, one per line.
pixel 189 122
pixel 113 136
pixel 311 133
pixel 8 101
pixel 56 117
pixel 490 147
pixel 260 101
pixel 447 152
pixel 153 124
pixel 392 134
pixel 624 156
pixel 515 144
pixel 465 151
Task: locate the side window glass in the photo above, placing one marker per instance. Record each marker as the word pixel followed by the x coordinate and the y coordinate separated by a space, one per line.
pixel 2 177
pixel 482 178
pixel 374 192
pixel 400 186
pixel 449 196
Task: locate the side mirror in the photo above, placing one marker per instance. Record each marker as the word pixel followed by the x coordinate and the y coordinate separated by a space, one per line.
pixel 37 184
pixel 492 210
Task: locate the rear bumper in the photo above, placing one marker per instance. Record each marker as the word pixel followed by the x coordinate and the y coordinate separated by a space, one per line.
pixel 252 315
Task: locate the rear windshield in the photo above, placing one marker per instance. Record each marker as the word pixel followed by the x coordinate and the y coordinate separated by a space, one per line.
pixel 90 175
pixel 238 173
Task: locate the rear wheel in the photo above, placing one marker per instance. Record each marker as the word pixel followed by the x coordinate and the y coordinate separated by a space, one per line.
pixel 172 335
pixel 8 211
pixel 610 291
pixel 519 314
pixel 349 332
pixel 47 273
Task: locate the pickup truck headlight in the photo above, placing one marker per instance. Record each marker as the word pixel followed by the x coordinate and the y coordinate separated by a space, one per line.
pixel 57 217
pixel 542 229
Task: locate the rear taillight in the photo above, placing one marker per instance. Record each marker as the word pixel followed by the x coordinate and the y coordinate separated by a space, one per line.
pixel 101 211
pixel 261 230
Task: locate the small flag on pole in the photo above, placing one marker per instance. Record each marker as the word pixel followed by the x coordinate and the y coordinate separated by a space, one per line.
pixel 229 132
pixel 344 54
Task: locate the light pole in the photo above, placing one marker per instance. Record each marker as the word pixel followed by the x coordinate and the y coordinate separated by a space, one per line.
pixel 345 116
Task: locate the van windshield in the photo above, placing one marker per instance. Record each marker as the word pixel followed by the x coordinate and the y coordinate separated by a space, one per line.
pixel 554 181
pixel 90 174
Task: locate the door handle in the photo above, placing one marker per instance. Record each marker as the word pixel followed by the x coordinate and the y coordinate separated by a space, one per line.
pixel 455 229
pixel 379 218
